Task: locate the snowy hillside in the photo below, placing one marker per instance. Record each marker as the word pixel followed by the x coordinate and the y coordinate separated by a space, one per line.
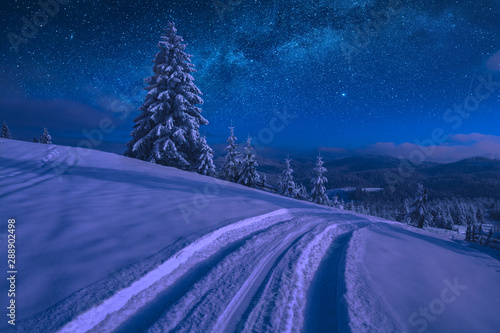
pixel 107 243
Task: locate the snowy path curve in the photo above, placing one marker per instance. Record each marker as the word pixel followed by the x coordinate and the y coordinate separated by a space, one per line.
pixel 243 257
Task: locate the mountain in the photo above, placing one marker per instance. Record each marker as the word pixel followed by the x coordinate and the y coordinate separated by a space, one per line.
pixel 475 165
pixel 473 177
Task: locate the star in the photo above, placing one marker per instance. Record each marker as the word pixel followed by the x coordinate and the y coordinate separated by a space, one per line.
pixel 268 55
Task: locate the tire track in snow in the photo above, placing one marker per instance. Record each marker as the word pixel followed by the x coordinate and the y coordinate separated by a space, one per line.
pixel 282 303
pixel 167 273
pixel 230 284
pixel 326 308
pixel 236 302
pixel 153 311
pixel 266 314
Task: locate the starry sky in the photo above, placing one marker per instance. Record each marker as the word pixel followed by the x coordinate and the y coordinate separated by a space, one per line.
pixel 364 76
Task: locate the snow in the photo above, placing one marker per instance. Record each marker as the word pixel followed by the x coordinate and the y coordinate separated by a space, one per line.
pixel 188 257
pixel 394 272
pixel 109 243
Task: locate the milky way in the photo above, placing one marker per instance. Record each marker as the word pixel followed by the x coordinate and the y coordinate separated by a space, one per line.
pixel 353 72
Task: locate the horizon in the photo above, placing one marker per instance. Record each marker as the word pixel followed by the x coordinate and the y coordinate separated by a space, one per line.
pixel 278 154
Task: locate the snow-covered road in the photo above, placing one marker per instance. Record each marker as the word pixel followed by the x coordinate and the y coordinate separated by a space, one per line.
pixel 252 275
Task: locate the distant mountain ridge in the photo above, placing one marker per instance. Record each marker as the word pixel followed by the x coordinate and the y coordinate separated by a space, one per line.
pixel 471 177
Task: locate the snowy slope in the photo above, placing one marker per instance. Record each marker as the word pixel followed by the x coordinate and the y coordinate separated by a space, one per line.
pixel 107 243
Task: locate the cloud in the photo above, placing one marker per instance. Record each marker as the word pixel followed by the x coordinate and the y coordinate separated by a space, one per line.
pixel 494 62
pixel 65 120
pixel 456 147
pixel 57 114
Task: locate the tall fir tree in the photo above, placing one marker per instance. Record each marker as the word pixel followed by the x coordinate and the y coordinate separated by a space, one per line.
pixel 248 174
pixel 206 165
pixel 5 133
pixel 167 129
pixel 45 137
pixel 230 170
pixel 286 184
pixel 318 193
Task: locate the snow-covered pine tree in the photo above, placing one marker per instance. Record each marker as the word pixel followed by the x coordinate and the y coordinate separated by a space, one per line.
pixel 302 193
pixel 448 221
pixel 318 193
pixel 45 137
pixel 206 164
pixel 248 175
pixel 286 184
pixel 334 202
pixel 419 208
pixel 167 129
pixel 230 170
pixel 404 215
pixel 5 133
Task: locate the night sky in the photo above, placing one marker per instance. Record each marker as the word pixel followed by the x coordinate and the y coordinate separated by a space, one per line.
pixel 375 91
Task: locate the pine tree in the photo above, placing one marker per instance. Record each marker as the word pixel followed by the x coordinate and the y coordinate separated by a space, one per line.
pixel 405 215
pixel 318 193
pixel 45 137
pixel 419 208
pixel 248 175
pixel 206 164
pixel 335 202
pixel 302 193
pixel 35 139
pixel 448 221
pixel 5 133
pixel 167 129
pixel 286 185
pixel 230 170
